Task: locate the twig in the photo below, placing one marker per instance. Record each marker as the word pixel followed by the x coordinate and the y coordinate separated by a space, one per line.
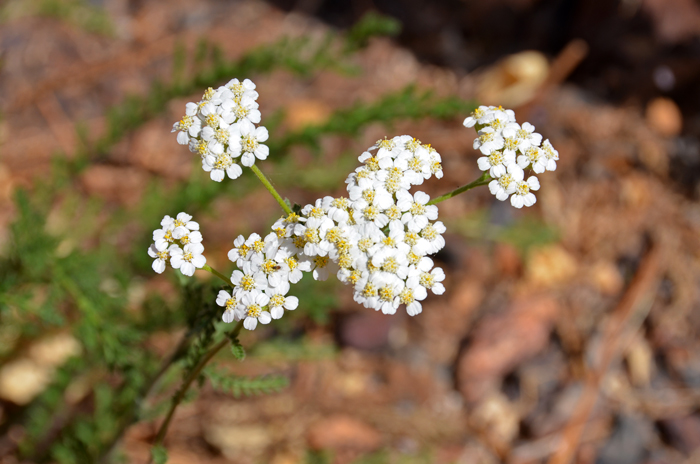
pixel 180 395
pixel 617 332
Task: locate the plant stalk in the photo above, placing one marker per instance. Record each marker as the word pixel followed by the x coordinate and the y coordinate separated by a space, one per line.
pixel 191 378
pixel 270 188
pixel 217 274
pixel 483 180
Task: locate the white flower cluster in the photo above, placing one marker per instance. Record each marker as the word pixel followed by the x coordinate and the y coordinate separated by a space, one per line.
pixel 179 242
pixel 221 129
pixel 262 280
pixel 377 239
pixel 508 150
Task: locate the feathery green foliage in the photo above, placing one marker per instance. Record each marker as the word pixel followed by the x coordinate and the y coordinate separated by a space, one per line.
pixel 223 380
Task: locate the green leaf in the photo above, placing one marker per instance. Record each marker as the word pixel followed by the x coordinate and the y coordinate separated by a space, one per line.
pixel 238 351
pixel 159 454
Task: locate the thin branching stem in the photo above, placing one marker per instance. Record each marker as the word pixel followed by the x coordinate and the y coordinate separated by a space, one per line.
pixel 483 180
pixel 271 189
pixel 191 377
pixel 217 274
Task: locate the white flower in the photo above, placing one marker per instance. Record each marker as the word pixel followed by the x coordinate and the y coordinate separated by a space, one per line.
pixel 392 261
pixel 314 232
pixel 323 267
pixel 551 155
pixel 425 276
pixel 431 239
pixel 251 143
pixel 522 195
pixel 526 135
pixel 506 184
pixel 496 163
pixel 221 165
pixel 187 259
pixel 291 269
pixel 412 294
pixel 279 302
pixel 417 212
pixel 189 126
pixel 533 157
pixel 249 278
pixel 246 88
pixel 488 140
pixel 229 302
pixel 163 238
pixel 481 115
pixel 162 257
pixel 180 226
pixel 251 309
pixel 387 294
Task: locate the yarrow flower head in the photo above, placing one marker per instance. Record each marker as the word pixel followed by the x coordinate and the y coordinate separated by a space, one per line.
pixel 509 149
pixel 220 128
pixel 179 243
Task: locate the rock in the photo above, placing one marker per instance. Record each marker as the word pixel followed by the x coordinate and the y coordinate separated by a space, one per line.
pixel 54 350
pixel 343 433
pixel 497 418
pixel 550 266
pixel 515 80
pixel 236 440
pixel 664 117
pixel 606 278
pixel 23 379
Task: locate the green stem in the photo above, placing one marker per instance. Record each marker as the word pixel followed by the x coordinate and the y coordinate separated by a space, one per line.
pixel 271 189
pixel 191 377
pixel 483 180
pixel 217 274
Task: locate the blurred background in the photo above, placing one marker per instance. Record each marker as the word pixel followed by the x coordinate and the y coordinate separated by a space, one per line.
pixel 568 332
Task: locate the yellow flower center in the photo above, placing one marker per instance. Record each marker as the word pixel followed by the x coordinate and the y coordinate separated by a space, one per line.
pixel 385 143
pixel 390 265
pixel 369 290
pixel 417 209
pixel 393 213
pixel 276 300
pixel 249 143
pixel 316 212
pixel 186 122
pixel 292 263
pixel 321 261
pixel 365 244
pixel 505 181
pixel 208 94
pixel 299 241
pixel 311 236
pixel 269 266
pixel 248 283
pixel 386 293
pixel 522 189
pixel 429 232
pixel 427 280
pixel 254 310
pixel 406 296
pixel 413 145
pixel 213 121
pixel 411 238
pixel 496 158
